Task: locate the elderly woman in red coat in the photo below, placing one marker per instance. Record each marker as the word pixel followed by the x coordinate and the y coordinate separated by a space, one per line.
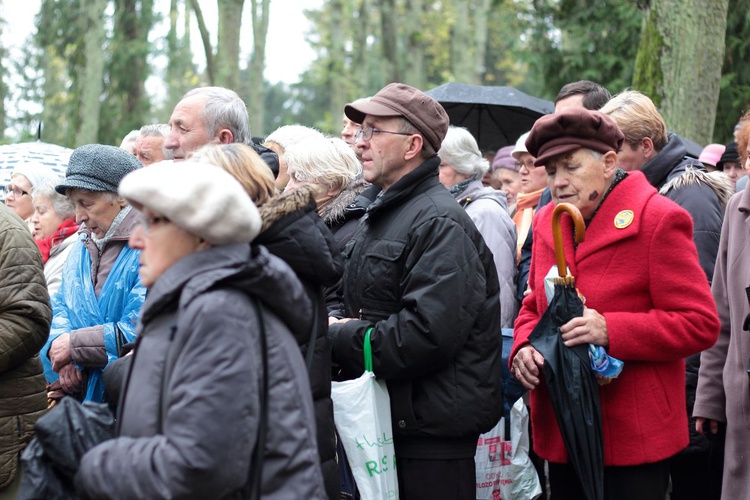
pixel 647 302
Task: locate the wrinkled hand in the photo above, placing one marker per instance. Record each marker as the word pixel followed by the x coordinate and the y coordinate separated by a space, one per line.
pixel 527 365
pixel 71 378
pixel 591 328
pixel 59 352
pixel 700 422
pixel 55 391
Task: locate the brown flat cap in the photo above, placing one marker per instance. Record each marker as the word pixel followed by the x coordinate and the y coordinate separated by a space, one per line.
pixel 398 99
pixel 574 128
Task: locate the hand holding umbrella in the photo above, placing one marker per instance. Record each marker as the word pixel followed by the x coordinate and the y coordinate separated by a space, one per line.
pixel 572 387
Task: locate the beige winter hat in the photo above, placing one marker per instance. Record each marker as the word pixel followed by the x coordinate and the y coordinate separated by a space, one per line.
pixel 199 197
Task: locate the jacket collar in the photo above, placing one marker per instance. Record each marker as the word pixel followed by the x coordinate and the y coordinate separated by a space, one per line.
pixel 415 182
pixel 250 268
pixel 631 194
pixel 659 167
pixel 477 191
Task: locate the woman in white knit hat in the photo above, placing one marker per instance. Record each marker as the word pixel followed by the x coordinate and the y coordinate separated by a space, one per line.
pixel 18 192
pixel 217 403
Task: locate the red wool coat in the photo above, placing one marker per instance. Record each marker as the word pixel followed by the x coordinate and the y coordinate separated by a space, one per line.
pixel 646 280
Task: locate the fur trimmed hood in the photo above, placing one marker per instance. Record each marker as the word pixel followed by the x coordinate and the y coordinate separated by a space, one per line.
pixel 287 202
pixel 693 176
pixel 335 211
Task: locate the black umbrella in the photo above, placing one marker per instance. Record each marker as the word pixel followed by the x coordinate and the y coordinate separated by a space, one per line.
pixel 496 116
pixel 571 383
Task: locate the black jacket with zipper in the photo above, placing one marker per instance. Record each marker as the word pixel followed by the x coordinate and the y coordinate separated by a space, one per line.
pixel 418 272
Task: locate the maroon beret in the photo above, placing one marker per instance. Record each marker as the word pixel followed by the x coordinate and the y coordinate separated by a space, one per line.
pixel 398 99
pixel 574 128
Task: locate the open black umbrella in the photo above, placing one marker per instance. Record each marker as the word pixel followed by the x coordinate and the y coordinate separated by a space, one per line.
pixel 571 383
pixel 496 116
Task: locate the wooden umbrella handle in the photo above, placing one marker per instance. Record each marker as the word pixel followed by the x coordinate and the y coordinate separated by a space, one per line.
pixel 580 225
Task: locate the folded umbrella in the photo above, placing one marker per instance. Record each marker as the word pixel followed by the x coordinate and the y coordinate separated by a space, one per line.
pixel 571 383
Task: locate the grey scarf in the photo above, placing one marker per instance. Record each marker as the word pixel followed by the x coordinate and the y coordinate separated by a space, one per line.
pixel 100 242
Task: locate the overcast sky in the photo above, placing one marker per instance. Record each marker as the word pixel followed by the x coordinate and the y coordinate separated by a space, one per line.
pixel 287 53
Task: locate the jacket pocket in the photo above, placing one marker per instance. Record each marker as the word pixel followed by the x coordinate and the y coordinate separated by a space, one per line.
pixel 383 267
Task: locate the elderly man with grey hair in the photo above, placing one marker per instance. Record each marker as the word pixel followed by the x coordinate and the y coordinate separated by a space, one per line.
pixel 149 146
pixel 97 306
pixel 212 115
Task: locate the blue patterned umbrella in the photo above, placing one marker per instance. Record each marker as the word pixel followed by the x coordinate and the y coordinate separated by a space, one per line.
pixel 38 153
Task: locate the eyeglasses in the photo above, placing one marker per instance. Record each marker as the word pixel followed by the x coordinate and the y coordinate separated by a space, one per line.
pixel 17 192
pixel 529 164
pixel 366 133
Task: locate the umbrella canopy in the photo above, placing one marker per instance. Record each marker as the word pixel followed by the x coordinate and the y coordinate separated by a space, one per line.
pixel 571 383
pixel 37 152
pixel 496 116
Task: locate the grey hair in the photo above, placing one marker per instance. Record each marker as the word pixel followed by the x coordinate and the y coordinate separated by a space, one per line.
pixel 594 154
pixel 223 109
pixel 158 130
pixel 154 130
pixel 460 150
pixel 61 204
pixel 327 161
pixel 130 138
pixel 287 135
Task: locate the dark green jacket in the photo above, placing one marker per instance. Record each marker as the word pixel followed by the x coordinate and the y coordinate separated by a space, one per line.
pixel 25 317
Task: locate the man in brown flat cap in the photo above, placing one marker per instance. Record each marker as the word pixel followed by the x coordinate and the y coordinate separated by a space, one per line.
pixel 419 277
pixel 651 310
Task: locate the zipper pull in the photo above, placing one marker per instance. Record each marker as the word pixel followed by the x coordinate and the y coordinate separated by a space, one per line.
pixel 360 314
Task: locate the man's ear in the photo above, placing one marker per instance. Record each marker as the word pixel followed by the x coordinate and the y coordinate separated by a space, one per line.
pixel 225 136
pixel 415 147
pixel 648 147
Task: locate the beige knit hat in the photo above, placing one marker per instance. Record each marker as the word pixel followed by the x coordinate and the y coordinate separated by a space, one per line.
pixel 201 198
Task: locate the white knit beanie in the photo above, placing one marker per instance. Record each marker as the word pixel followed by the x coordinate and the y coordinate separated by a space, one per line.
pixel 201 198
pixel 36 173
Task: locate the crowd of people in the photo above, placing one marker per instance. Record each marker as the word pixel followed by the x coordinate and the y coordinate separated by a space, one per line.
pixel 209 287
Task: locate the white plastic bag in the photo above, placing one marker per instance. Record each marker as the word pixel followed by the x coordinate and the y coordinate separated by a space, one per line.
pixel 362 413
pixel 504 469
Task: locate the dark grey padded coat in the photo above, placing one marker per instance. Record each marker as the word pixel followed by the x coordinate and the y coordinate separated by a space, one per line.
pixel 200 312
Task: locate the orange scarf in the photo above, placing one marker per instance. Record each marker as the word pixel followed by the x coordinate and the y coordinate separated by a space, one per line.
pixel 525 208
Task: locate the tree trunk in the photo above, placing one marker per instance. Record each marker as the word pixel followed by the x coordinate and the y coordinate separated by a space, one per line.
pixel 481 14
pixel 92 82
pixel 3 86
pixel 389 41
pixel 207 49
pixel 336 74
pixel 360 31
pixel 127 106
pixel 256 98
pixel 414 69
pixel 228 47
pixel 679 63
pixel 461 54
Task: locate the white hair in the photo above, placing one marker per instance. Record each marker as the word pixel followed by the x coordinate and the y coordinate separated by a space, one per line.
pixel 460 150
pixel 288 135
pixel 61 204
pixel 326 161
